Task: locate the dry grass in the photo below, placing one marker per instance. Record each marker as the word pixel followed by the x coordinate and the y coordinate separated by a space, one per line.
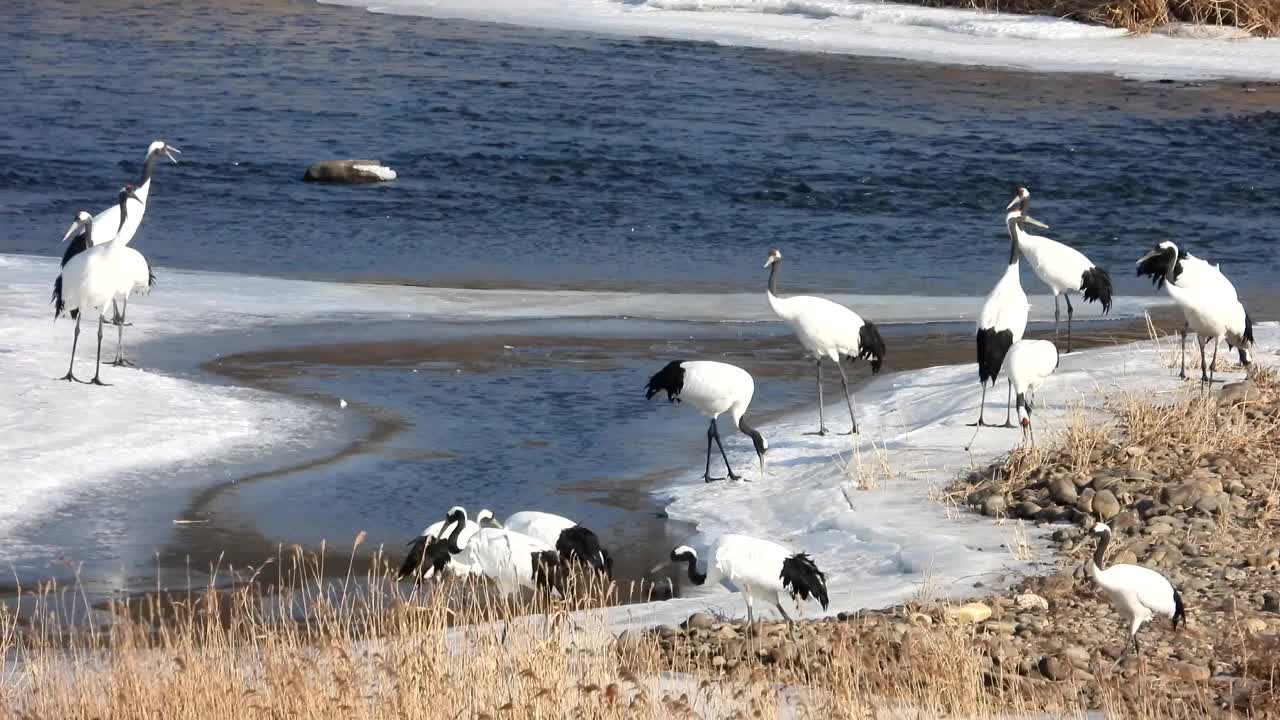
pixel 1260 17
pixel 362 648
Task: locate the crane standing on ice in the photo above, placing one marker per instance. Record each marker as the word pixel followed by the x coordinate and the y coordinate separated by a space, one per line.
pixel 827 330
pixel 1063 268
pixel 90 278
pixel 135 265
pixel 1028 364
pixel 713 388
pixel 1003 319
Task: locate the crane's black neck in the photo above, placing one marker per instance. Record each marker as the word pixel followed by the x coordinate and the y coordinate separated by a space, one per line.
pixel 148 166
pixel 453 537
pixel 1100 553
pixel 756 438
pixel 773 277
pixel 695 577
pixel 1012 223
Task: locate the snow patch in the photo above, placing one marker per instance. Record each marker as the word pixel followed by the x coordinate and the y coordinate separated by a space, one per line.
pixel 880 29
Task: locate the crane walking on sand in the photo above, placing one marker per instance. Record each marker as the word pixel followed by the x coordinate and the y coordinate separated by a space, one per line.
pixel 1063 268
pixel 827 330
pixel 1003 318
pixel 712 388
pixel 1138 593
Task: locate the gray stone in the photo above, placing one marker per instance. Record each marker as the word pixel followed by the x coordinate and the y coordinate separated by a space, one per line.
pixel 1062 490
pixel 700 621
pixel 995 505
pixel 1271 602
pixel 1054 668
pixel 349 172
pixel 1026 509
pixel 1105 505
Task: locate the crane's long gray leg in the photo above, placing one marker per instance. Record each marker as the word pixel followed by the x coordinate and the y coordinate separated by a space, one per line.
pixel 982 405
pixel 74 341
pixel 848 398
pixel 1204 371
pixel 1008 406
pixel 1057 313
pixel 1213 365
pixel 1183 334
pixel 716 434
pixel 711 433
pixel 822 423
pixel 1070 311
pixel 120 360
pixel 97 368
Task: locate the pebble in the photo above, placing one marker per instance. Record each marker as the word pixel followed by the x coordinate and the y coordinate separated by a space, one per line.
pixel 995 505
pixel 700 621
pixel 1055 668
pixel 1031 601
pixel 1062 490
pixel 1105 505
pixel 969 613
pixel 1271 602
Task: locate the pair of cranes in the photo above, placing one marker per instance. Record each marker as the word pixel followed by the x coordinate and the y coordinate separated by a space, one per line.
pixel 100 270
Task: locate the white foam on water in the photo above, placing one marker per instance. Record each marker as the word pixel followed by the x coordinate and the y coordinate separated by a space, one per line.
pixel 887 544
pixel 880 29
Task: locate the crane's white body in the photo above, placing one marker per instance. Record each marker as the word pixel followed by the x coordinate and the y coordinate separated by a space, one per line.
pixel 1029 363
pixel 1139 593
pixel 1059 266
pixel 542 526
pixel 1006 306
pixel 826 329
pixel 751 566
pixel 504 556
pixel 91 279
pixel 714 388
pixel 1200 275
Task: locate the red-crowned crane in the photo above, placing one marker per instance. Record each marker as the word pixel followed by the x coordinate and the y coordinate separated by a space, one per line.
pixel 1003 318
pixel 429 552
pixel 1028 364
pixel 712 388
pixel 1138 593
pixel 759 569
pixel 1063 268
pixel 90 278
pixel 1208 300
pixel 826 330
pixel 573 541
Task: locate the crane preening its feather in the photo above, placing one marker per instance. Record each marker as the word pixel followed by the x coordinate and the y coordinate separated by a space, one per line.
pixel 1139 593
pixel 574 542
pixel 712 388
pixel 1209 303
pixel 430 553
pixel 826 330
pixel 1063 268
pixel 759 569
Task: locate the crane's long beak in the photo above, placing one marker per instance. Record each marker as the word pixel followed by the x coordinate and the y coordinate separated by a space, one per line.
pixel 654 570
pixel 1013 203
pixel 1147 257
pixel 762 473
pixel 72 230
pixel 1034 221
pixel 169 150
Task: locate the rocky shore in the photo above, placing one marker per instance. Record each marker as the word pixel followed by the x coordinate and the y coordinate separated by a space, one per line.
pixel 1190 487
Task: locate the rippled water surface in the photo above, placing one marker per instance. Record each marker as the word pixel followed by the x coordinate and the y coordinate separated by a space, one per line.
pixel 534 157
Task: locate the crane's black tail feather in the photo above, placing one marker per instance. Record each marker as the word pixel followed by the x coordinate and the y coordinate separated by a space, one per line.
pixel 56 299
pixel 803 579
pixel 1095 285
pixel 1179 610
pixel 581 545
pixel 871 346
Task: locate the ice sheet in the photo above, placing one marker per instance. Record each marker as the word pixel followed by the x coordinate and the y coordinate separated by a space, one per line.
pixel 885 545
pixel 859 27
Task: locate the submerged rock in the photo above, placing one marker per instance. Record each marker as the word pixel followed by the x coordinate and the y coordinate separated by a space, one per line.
pixel 350 172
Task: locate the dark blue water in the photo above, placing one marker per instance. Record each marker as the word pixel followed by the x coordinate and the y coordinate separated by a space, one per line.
pixel 530 157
